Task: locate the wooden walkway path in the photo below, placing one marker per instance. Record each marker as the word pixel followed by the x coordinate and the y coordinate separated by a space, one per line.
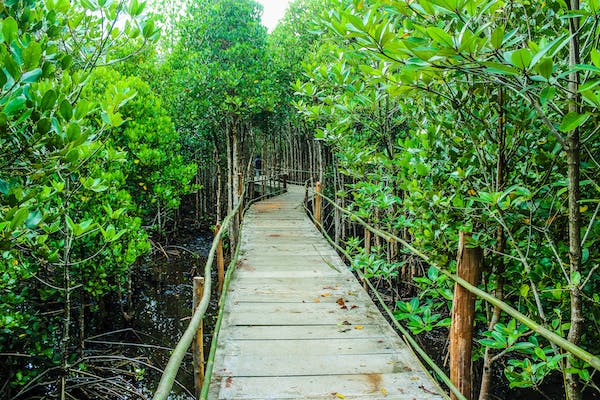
pixel 298 325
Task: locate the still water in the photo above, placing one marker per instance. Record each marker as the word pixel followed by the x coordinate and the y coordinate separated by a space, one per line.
pixel 161 309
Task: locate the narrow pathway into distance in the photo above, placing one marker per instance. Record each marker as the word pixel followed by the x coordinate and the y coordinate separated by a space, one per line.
pixel 298 325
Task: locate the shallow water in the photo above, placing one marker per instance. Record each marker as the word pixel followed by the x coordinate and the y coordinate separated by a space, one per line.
pixel 161 309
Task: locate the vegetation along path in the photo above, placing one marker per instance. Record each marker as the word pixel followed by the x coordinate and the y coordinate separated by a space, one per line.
pixel 298 325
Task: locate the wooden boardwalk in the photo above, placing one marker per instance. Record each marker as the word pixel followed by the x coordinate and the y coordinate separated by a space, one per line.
pixel 298 325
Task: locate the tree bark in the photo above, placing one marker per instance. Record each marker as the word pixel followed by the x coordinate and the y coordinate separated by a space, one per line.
pixel 501 168
pixel 573 389
pixel 463 316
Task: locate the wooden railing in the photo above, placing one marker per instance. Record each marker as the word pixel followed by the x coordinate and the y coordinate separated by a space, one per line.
pixel 316 212
pixel 246 198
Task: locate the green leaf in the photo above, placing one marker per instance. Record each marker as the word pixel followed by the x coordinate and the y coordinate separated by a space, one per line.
pixel 4 187
pixel 19 217
pixel 540 353
pixel 545 67
pixel 10 29
pixel 524 290
pixel 573 120
pixel 49 100
pixel 32 55
pixel 595 56
pixel 14 106
pixel 547 95
pixel 497 37
pixel 440 36
pixel 66 110
pixel 521 58
pixel 502 69
pixel 31 76
pixel 33 219
pixel 148 29
pixel 575 278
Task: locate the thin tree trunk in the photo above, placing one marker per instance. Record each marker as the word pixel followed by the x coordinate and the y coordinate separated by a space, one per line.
pixel 488 359
pixel 573 387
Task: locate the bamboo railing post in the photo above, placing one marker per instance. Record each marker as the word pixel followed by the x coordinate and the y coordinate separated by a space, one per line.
pixel 468 267
pixel 285 177
pixel 220 259
pixel 198 344
pixel 318 203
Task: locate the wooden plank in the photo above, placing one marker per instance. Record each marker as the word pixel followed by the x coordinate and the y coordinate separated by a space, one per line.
pixel 259 295
pixel 322 364
pixel 285 334
pixel 367 386
pixel 307 332
pixel 312 347
pixel 286 274
pixel 307 318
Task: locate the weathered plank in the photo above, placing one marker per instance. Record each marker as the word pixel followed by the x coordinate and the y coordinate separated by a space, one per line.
pixel 369 386
pixel 298 325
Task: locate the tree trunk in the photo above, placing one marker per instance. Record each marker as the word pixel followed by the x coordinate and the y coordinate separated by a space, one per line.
pixel 573 388
pixel 488 359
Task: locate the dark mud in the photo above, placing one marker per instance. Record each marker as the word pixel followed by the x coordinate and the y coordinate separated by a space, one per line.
pixel 159 314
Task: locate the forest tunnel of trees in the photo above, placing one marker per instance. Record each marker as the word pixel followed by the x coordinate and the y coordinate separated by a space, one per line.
pixel 425 118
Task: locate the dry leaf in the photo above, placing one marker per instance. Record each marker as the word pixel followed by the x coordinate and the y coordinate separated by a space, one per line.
pixel 342 303
pixel 384 392
pixel 346 323
pixel 358 327
pixel 317 300
pixel 325 294
pixel 339 395
pixel 353 307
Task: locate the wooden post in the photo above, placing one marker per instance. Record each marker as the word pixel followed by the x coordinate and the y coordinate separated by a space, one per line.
pixel 469 264
pixel 318 203
pixel 251 190
pixel 306 197
pixel 220 260
pixel 240 199
pixel 285 176
pixel 367 251
pixel 198 344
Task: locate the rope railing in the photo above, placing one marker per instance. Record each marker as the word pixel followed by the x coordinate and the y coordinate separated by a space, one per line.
pixel 170 372
pixel 582 354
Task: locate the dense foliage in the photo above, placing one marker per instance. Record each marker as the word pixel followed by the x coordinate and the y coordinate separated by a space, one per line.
pixel 75 142
pixel 425 118
pixel 476 116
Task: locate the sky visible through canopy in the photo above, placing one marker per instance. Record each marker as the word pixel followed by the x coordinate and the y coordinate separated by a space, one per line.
pixel 273 11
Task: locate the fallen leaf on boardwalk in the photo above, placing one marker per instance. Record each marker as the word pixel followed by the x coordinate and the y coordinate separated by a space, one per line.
pixel 339 395
pixel 325 294
pixel 358 327
pixel 384 392
pixel 346 323
pixel 331 287
pixel 317 300
pixel 353 307
pixel 342 304
pixel 345 330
